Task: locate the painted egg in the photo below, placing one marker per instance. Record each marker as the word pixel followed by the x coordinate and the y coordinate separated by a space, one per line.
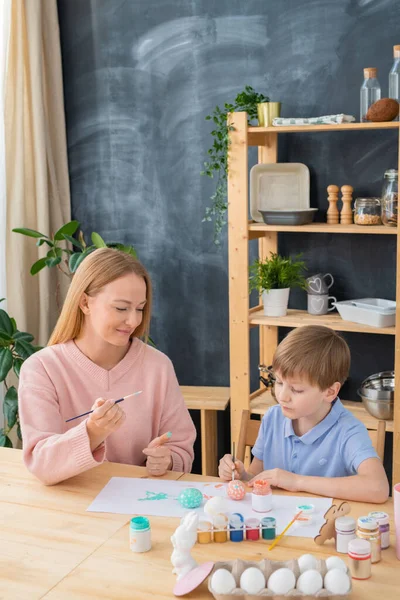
pixel 236 490
pixel 190 498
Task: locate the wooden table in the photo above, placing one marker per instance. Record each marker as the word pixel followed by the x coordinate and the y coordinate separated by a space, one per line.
pixel 51 548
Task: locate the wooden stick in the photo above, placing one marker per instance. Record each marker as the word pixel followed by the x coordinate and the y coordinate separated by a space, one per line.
pixel 284 531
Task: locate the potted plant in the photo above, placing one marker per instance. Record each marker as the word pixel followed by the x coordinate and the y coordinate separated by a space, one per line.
pixel 273 277
pixel 217 164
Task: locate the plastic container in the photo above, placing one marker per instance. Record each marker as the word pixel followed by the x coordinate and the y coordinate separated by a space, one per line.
pixel 236 527
pixel 204 530
pixel 367 211
pixel 370 91
pixel 390 195
pixel 376 312
pixel 345 532
pixel 268 528
pixel 360 559
pixel 368 529
pixel 139 534
pixel 383 521
pixel 394 75
pixel 252 529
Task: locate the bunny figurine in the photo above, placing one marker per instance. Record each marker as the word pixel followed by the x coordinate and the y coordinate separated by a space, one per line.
pixel 183 541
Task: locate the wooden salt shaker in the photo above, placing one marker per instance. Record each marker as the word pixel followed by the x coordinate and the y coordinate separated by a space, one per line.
pixel 333 211
pixel 346 214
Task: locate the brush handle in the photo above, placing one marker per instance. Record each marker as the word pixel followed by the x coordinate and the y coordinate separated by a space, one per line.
pixel 90 411
pixel 284 531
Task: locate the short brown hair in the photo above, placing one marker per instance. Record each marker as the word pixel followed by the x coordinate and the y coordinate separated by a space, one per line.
pixel 316 353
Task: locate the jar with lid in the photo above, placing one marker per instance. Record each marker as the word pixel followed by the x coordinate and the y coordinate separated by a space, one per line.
pixel 367 211
pixel 390 194
pixel 368 529
pixel 359 554
pixel 383 521
pixel 345 532
pixel 139 534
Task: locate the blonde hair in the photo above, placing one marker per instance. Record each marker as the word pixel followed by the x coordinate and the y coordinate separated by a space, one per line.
pixel 98 269
pixel 316 353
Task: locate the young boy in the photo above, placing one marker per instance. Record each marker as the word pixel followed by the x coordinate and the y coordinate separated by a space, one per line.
pixel 310 442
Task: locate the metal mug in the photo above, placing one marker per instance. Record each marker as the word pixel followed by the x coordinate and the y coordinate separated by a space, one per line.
pixel 318 304
pixel 317 284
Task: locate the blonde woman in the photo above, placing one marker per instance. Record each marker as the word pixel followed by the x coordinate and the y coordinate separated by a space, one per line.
pixel 95 356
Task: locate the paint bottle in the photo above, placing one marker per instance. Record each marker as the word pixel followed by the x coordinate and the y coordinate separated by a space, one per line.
pixel 368 529
pixel 252 529
pixel 360 558
pixel 139 534
pixel 345 531
pixel 261 497
pixel 383 521
pixel 268 528
pixel 220 525
pixel 236 526
pixel 204 529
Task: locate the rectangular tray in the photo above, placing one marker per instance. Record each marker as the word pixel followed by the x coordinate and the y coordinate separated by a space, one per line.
pixel 277 186
pixel 376 312
pixel 289 216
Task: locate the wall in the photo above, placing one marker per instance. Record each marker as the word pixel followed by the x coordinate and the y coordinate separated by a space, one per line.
pixel 139 78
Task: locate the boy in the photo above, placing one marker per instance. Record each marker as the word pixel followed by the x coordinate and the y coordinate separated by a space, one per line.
pixel 310 442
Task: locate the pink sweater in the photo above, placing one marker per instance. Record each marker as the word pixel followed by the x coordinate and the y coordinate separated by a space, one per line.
pixel 60 382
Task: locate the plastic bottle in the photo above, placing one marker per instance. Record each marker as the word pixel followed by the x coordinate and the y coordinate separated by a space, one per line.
pixel 370 91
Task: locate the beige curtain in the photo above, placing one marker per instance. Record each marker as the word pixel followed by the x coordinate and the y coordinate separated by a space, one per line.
pixel 36 161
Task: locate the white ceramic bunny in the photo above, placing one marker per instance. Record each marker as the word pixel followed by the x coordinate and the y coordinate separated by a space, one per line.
pixel 183 540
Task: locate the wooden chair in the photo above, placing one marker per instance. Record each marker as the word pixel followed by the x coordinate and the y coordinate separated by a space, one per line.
pixel 249 431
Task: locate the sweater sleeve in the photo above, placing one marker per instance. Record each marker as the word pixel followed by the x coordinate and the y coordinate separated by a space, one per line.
pixel 50 452
pixel 177 420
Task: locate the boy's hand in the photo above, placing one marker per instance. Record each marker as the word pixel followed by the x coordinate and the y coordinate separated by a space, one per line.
pixel 226 466
pixel 279 478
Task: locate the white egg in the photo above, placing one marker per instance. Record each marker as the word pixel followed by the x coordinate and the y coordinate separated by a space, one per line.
pixel 216 505
pixel 310 582
pixel 223 582
pixel 281 581
pixel 306 562
pixel 252 580
pixel 337 582
pixel 334 562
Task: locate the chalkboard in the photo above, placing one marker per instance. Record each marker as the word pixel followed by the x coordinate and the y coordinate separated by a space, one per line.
pixel 139 78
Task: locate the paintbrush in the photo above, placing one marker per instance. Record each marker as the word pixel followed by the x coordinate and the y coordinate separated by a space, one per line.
pixel 116 402
pixel 233 460
pixel 284 531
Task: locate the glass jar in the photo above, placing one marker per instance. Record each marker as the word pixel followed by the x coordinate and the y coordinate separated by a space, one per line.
pixel 390 194
pixel 367 211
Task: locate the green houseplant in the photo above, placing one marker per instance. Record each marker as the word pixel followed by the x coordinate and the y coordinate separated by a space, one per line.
pixel 216 166
pixel 15 347
pixel 273 277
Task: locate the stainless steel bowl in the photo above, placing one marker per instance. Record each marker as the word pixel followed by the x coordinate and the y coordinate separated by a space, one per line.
pixel 377 394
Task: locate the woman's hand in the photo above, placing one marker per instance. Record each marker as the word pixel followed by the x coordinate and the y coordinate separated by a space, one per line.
pixel 279 478
pixel 106 418
pixel 159 458
pixel 227 467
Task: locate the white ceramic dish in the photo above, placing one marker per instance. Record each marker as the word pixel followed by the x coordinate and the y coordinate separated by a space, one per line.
pixel 278 186
pixel 376 312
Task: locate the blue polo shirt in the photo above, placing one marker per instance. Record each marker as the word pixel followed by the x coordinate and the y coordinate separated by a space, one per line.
pixel 334 448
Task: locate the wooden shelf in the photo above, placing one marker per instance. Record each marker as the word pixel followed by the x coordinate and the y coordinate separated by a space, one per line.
pixel 258 229
pixel 261 401
pixel 205 397
pixel 297 318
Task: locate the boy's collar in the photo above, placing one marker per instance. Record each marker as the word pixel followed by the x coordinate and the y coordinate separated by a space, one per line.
pixel 311 436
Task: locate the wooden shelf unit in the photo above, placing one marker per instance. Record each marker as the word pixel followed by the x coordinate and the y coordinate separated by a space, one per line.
pixel 241 316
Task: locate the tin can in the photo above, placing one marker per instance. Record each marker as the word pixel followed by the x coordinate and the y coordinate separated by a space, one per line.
pixel 139 534
pixel 368 529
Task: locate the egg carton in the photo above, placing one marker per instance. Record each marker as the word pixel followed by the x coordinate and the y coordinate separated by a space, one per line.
pixel 236 567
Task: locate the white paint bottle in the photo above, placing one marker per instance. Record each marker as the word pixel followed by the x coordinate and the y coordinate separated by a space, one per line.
pixel 345 532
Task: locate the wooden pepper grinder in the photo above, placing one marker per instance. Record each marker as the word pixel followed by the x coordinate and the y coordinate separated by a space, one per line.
pixel 332 215
pixel 346 214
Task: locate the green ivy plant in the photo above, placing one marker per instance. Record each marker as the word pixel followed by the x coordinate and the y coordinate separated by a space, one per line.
pixel 217 164
pixel 277 272
pixel 15 347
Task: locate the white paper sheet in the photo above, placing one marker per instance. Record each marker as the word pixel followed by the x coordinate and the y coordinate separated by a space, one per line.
pixel 158 498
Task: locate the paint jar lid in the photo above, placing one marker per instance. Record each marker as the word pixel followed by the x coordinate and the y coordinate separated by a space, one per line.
pixel 236 521
pixel 307 509
pixel 368 523
pixel 204 525
pixel 220 521
pixel 140 523
pixel 252 523
pixel 345 524
pixel 381 517
pixel 268 523
pixel 360 547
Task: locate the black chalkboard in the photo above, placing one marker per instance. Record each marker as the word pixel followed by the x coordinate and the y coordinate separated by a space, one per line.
pixel 139 78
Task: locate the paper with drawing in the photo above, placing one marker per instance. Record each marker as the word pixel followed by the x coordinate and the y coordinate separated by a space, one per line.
pixel 154 497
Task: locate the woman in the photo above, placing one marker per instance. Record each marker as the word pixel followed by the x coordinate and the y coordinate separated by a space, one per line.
pixel 95 352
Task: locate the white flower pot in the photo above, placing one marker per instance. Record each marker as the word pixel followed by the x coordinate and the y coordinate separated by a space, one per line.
pixel 276 302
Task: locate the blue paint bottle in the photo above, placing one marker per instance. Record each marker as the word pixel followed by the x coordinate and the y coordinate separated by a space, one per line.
pixel 236 527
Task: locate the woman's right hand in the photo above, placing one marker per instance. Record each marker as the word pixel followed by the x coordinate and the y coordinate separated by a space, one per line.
pixel 226 466
pixel 106 418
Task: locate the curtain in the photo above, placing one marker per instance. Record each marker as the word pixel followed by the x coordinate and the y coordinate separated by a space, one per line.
pixel 36 161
